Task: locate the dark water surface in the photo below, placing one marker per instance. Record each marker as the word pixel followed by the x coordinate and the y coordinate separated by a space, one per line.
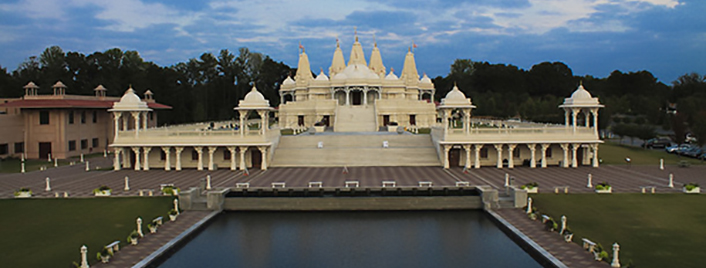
pixel 351 239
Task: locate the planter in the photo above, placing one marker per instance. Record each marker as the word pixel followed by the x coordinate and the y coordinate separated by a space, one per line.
pixel 105 259
pixel 320 129
pixel 172 217
pixel 696 190
pixel 568 237
pixel 23 195
pixel 392 128
pixel 605 191
pixel 104 193
pixel 153 229
pixel 133 241
pixel 532 190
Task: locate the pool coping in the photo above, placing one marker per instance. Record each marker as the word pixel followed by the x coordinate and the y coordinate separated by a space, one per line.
pixel 147 261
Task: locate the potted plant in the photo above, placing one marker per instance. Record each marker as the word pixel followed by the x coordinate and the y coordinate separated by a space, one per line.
pixel 603 188
pixel 392 127
pixel 132 238
pixel 102 191
pixel 104 255
pixel 692 188
pixel 153 227
pixel 568 235
pixel 170 190
pixel 23 193
pixel 532 187
pixel 320 126
pixel 173 214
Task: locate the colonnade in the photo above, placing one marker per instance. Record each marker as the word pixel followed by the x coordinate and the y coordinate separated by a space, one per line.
pixel 569 151
pixel 142 156
pixel 365 90
pixel 122 122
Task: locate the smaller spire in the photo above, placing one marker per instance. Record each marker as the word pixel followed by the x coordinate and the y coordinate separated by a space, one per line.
pixel 355 32
pixel 375 42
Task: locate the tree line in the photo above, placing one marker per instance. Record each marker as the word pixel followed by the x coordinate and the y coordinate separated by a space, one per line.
pixel 208 87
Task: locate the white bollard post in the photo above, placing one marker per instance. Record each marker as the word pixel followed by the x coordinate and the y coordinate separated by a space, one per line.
pixel 84 259
pixel 661 164
pixel 208 182
pixel 590 181
pixel 139 227
pixel 176 205
pixel 127 184
pixel 507 180
pixel 49 157
pixel 48 188
pixel 671 180
pixel 563 224
pixel 82 158
pixel 616 260
pixel 23 167
pixel 529 205
pixel 56 162
pixel 105 153
pixel 88 167
pixel 23 157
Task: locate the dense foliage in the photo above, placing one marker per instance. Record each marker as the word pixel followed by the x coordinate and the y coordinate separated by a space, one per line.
pixel 208 87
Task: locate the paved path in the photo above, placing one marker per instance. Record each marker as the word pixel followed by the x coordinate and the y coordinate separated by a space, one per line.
pixel 571 254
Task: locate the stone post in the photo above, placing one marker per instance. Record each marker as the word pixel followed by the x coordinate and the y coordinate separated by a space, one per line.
pixel 563 224
pixel 529 205
pixel 590 183
pixel 671 180
pixel 139 227
pixel 81 157
pixel 84 259
pixel 661 164
pixel 23 167
pixel 208 182
pixel 176 205
pixel 56 162
pixel 127 184
pixel 616 260
pixel 48 188
pixel 88 165
pixel 507 180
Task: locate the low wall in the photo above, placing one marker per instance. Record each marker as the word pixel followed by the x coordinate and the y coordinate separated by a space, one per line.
pixel 352 203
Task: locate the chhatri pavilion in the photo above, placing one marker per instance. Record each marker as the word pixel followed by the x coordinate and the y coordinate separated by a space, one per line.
pixel 358 114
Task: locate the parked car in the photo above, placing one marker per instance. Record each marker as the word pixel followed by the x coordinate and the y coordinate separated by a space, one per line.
pixel 657 143
pixel 693 152
pixel 675 149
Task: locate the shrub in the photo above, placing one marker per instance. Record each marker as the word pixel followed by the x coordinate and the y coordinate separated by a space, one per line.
pixel 690 186
pixel 603 186
pixel 530 185
pixel 100 189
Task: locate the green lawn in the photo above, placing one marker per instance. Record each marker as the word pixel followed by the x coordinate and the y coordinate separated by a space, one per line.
pixel 615 154
pixel 50 232
pixel 662 230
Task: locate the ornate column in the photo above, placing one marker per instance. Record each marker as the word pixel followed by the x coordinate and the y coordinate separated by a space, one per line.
pixel 144 120
pixel 177 152
pixel 573 119
pixel 136 116
pixel 365 97
pixel 586 117
pixel 116 119
pixel 477 148
pixel 499 150
pixel 116 161
pixel 533 159
pixel 348 93
pixel 594 147
pixel 146 151
pixel 565 148
pixel 231 149
pixel 511 155
pixel 545 146
pixel 126 121
pixel 566 117
pixel 594 111
pixel 446 156
pixel 242 127
pixel 467 148
pixel 445 120
pixel 211 150
pixel 263 153
pixel 167 152
pixel 574 159
pixel 199 151
pixel 136 150
pixel 242 150
pixel 263 122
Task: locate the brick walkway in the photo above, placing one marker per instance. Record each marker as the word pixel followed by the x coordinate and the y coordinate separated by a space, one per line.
pixel 571 254
pixel 131 255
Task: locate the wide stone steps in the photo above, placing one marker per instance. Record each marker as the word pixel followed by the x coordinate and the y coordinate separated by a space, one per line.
pixel 355 119
pixel 355 150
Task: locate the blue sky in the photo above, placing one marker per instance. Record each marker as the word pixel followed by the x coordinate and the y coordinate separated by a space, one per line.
pixel 593 37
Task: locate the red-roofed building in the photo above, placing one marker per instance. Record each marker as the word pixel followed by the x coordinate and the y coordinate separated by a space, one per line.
pixel 60 125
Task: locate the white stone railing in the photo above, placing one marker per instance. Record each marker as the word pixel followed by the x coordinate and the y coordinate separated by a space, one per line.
pixel 546 134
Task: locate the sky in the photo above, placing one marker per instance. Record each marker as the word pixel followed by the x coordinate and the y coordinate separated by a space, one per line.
pixel 593 37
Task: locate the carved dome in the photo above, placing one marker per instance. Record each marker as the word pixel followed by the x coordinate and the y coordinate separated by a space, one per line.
pixel 456 99
pixel 254 100
pixel 130 102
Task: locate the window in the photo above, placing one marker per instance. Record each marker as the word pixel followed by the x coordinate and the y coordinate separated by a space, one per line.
pixel 94 142
pixel 84 144
pixel 226 154
pixel 19 147
pixel 549 152
pixel 484 152
pixel 83 117
pixel 44 117
pixel 95 117
pixel 516 153
pixel 3 148
pixel 71 117
pixel 194 155
pixel 72 145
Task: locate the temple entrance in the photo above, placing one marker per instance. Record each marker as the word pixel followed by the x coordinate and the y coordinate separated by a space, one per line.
pixel 44 150
pixel 256 158
pixel 579 156
pixel 455 157
pixel 356 97
pixel 412 120
pixel 300 120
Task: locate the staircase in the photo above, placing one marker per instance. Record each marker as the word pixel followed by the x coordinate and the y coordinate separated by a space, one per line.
pixel 355 119
pixel 355 150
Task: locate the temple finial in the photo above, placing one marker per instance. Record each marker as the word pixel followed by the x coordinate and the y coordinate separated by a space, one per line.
pixel 355 32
